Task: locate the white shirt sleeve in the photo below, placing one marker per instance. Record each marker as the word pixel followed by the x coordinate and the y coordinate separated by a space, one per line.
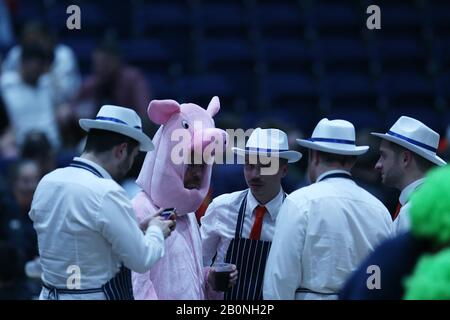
pixel 210 234
pixel 117 223
pixel 282 276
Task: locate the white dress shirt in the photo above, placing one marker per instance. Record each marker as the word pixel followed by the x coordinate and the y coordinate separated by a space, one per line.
pixel 218 225
pixel 64 75
pixel 85 221
pixel 402 223
pixel 30 108
pixel 323 233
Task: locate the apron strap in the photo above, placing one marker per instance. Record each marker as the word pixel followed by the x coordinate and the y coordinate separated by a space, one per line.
pixel 241 216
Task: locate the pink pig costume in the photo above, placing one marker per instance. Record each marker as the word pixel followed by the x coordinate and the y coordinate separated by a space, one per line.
pixel 179 274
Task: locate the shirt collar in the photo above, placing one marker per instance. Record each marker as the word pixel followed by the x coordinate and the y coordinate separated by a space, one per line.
pixel 323 175
pixel 273 206
pixel 99 168
pixel 406 192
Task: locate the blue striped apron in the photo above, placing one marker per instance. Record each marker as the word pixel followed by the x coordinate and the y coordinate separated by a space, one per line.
pixel 118 288
pixel 331 175
pixel 250 258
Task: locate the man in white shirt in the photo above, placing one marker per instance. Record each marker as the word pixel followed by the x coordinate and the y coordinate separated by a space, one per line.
pixel 407 152
pixel 238 227
pixel 324 230
pixel 88 236
pixel 29 98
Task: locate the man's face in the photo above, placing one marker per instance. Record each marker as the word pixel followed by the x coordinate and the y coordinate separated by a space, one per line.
pixel 262 184
pixel 389 165
pixel 104 64
pixel 26 183
pixel 127 162
pixel 193 176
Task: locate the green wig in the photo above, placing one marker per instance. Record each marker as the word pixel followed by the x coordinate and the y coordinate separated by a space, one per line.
pixel 430 279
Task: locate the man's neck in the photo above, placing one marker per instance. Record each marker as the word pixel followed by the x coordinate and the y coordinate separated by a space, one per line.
pixel 323 169
pixel 407 180
pixel 101 160
pixel 263 199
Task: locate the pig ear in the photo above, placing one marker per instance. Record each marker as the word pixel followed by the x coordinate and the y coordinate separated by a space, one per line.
pixel 214 106
pixel 160 111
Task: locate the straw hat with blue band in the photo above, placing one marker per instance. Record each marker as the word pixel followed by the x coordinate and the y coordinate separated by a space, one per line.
pixel 334 136
pixel 416 137
pixel 269 143
pixel 120 120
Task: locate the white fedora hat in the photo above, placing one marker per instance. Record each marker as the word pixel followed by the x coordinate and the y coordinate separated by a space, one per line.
pixel 414 136
pixel 269 143
pixel 334 136
pixel 120 120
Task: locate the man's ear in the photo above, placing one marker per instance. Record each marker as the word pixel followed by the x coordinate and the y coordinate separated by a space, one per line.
pixel 406 158
pixel 120 151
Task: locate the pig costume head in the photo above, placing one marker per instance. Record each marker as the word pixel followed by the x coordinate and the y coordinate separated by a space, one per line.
pixel 185 129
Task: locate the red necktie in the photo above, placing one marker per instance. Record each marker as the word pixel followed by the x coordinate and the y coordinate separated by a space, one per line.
pixel 255 234
pixel 397 211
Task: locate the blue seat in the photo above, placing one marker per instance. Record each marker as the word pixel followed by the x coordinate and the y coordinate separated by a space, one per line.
pixel 226 55
pixel 285 54
pixel 335 16
pixel 340 49
pixel 150 18
pixel 147 53
pixel 344 84
pixel 223 16
pixel 205 86
pixel 278 19
pixel 361 118
pixel 160 86
pixel 405 85
pixel 279 86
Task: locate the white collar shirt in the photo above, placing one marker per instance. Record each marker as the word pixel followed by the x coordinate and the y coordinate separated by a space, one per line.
pixel 323 233
pixel 86 223
pixel 218 225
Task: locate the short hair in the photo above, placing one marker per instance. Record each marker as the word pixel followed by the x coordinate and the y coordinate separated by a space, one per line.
pixel 422 164
pixel 36 145
pixel 99 141
pixel 339 158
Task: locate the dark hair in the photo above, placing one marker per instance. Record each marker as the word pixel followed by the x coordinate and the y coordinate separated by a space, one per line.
pixel 36 145
pixel 99 141
pixel 339 158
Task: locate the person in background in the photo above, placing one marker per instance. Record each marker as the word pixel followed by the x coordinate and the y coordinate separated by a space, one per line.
pixel 62 69
pixel 28 98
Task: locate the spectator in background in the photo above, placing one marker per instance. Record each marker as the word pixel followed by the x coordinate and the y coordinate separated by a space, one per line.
pixel 24 177
pixel 28 97
pixel 112 82
pixel 38 148
pixel 63 74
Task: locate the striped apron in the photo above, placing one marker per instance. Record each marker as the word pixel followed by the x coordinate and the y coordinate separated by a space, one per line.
pixel 250 258
pixel 118 288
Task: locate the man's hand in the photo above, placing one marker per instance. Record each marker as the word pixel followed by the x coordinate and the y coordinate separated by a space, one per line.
pixel 231 281
pixel 166 226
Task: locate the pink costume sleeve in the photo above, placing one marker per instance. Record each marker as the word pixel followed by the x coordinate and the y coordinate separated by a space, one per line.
pixel 143 288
